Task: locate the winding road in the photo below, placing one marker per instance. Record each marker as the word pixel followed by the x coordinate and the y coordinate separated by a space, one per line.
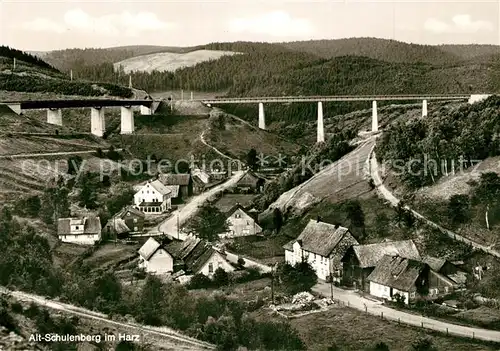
pixel 352 299
pixel 389 196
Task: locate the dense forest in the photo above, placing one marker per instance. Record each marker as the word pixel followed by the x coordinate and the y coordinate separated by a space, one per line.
pixel 379 49
pixel 460 135
pixel 9 52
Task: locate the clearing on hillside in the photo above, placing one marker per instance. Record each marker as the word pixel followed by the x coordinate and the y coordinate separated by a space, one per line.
pixel 167 61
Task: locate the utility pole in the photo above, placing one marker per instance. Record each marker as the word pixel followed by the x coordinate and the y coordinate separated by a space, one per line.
pixel 14 64
pixel 130 81
pixel 71 75
pixel 331 286
pixel 272 284
pixel 178 228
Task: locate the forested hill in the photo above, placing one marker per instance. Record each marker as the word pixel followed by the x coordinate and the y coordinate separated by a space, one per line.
pixel 380 49
pixel 8 52
pixel 73 58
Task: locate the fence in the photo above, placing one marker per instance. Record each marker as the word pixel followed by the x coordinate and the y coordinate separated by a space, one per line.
pixel 425 323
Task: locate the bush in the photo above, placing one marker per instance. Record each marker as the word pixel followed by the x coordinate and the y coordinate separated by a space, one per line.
pixel 221 277
pixel 16 307
pixel 199 281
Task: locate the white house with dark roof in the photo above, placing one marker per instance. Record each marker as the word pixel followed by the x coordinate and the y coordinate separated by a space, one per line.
pixel 153 197
pixel 409 278
pixel 360 260
pixel 82 231
pixel 240 223
pixel 322 245
pixel 154 258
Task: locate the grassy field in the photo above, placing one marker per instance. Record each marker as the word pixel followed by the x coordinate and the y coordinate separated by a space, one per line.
pixel 237 138
pixel 350 329
pixel 168 61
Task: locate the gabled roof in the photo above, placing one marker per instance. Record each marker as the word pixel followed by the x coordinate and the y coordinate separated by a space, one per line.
pixel 197 180
pixel 118 225
pixel 234 209
pixel 182 249
pixel 158 186
pixel 397 272
pixel 368 255
pixel 319 237
pixel 149 248
pixel 434 262
pixel 249 178
pixel 199 262
pixel 91 224
pixel 174 189
pixel 174 179
pixel 123 213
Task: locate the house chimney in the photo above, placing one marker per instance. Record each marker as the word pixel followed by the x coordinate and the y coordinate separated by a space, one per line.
pixel 318 219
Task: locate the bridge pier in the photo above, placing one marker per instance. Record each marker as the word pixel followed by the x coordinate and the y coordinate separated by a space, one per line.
pixel 262 118
pixel 127 120
pixel 374 117
pixel 424 108
pixel 54 116
pixel 145 110
pixel 97 122
pixel 321 130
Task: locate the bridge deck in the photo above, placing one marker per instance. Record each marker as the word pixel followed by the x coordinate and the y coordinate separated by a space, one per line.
pixel 46 104
pixel 333 98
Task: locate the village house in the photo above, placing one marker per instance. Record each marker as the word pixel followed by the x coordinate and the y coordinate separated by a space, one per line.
pixel 240 223
pixel 82 231
pixel 184 181
pixel 448 269
pixel 155 259
pixel 195 256
pixel 201 175
pixel 360 260
pixel 153 198
pixel 322 245
pixel 218 175
pixel 410 279
pixel 250 182
pixel 128 220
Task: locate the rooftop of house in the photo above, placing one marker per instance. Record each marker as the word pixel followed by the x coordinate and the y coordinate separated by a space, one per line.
pixel 434 262
pixel 174 189
pixel 91 225
pixel 319 238
pixel 123 212
pixel 174 179
pixel 397 272
pixel 118 225
pixel 149 248
pixel 368 255
pixel 228 201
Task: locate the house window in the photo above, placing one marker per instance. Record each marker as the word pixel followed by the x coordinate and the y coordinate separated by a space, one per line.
pixel 135 229
pixel 210 267
pixel 76 227
pixel 237 215
pixel 135 220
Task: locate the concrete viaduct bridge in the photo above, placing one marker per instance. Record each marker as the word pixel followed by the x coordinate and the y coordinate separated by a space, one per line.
pixel 147 107
pixel 97 108
pixel 320 99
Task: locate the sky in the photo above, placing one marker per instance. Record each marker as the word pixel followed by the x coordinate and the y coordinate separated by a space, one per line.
pixel 39 25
